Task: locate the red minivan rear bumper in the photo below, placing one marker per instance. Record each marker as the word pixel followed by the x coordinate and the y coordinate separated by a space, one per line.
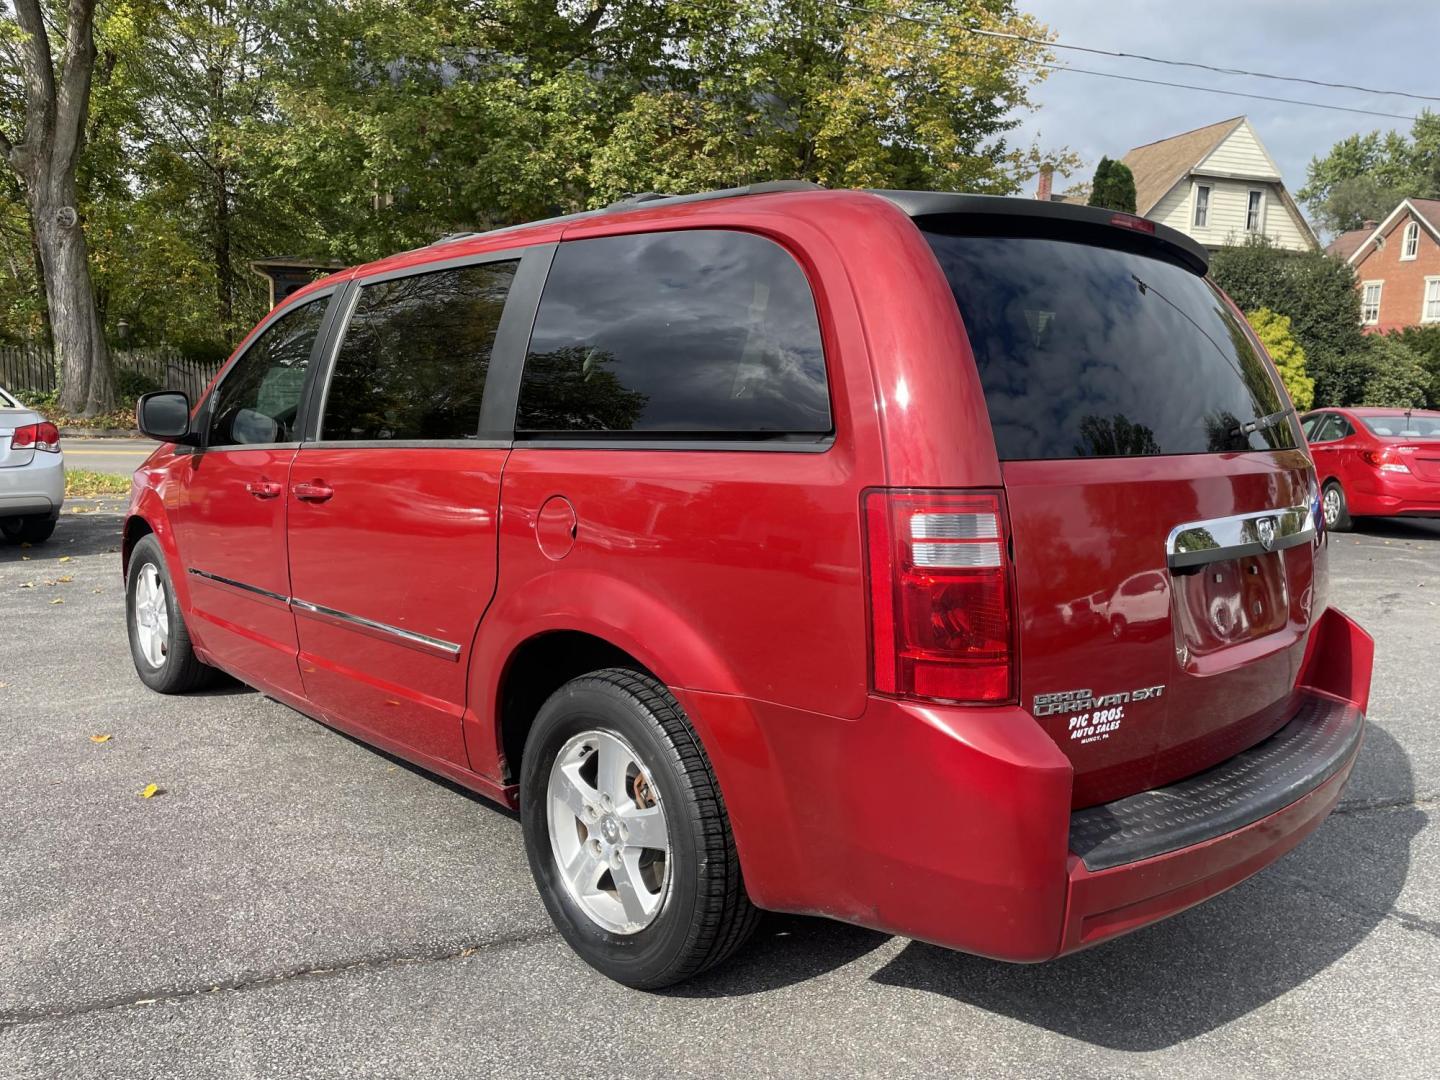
pixel 952 825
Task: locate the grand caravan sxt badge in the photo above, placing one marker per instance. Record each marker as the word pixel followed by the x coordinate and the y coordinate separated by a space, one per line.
pixel 1092 718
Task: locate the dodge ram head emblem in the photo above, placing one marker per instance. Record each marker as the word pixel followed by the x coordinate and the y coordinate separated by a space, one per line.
pixel 1265 531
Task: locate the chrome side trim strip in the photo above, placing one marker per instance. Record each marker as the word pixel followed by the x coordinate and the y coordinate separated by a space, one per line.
pixel 1197 543
pixel 232 583
pixel 435 646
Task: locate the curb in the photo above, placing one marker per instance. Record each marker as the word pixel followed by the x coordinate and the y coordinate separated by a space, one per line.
pixel 100 433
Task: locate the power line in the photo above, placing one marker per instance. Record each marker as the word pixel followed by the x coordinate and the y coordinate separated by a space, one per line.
pixel 1215 90
pixel 1003 35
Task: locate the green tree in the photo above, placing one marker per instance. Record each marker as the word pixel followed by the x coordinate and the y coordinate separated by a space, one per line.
pixel 1397 379
pixel 1275 334
pixel 1363 177
pixel 449 117
pixel 1113 186
pixel 47 59
pixel 1318 295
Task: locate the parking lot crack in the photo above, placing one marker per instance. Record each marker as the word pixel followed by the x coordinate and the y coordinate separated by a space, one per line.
pixel 261 981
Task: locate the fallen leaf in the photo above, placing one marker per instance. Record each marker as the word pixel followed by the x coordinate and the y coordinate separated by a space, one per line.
pixel 3 685
pixel 65 579
pixel 26 558
pixel 101 738
pixel 63 558
pixel 27 584
pixel 57 600
pixel 151 790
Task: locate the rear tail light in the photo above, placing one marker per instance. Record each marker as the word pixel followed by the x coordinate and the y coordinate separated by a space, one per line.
pixel 1386 459
pixel 941 610
pixel 43 436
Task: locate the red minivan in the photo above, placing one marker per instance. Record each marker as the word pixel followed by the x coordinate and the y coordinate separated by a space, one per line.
pixel 945 564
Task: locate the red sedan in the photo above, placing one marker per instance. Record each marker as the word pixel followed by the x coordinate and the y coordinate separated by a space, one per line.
pixel 1376 462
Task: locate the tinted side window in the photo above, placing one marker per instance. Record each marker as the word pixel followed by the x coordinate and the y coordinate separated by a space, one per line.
pixel 414 358
pixel 704 332
pixel 259 398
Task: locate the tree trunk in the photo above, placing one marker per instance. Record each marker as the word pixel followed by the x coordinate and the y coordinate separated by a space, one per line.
pixel 86 387
pixel 45 328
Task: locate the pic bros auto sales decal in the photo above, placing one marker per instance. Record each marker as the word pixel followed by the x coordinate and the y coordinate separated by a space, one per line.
pixel 1091 718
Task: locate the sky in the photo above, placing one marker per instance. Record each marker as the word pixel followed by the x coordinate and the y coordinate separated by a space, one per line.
pixel 1387 44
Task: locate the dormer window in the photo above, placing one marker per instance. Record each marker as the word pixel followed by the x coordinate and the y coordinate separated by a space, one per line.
pixel 1410 245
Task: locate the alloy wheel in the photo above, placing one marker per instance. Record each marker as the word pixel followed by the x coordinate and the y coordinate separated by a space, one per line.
pixel 152 616
pixel 608 832
pixel 1331 506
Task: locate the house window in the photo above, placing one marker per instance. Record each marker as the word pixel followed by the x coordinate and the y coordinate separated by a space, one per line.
pixel 1370 302
pixel 1253 212
pixel 1411 245
pixel 1202 205
pixel 1430 310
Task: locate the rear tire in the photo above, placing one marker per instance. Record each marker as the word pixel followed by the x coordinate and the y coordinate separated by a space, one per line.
pixel 159 641
pixel 1335 507
pixel 686 915
pixel 31 529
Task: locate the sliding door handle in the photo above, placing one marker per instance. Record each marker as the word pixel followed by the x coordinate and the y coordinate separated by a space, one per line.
pixel 313 492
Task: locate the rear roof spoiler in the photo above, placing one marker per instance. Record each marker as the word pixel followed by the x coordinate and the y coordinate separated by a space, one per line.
pixel 1002 216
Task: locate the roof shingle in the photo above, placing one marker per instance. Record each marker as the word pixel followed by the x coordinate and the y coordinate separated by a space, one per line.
pixel 1158 166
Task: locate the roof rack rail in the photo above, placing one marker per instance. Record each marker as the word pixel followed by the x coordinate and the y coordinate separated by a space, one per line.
pixel 768 187
pixel 644 200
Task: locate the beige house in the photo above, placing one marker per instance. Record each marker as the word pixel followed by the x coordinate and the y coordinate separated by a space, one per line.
pixel 1218 184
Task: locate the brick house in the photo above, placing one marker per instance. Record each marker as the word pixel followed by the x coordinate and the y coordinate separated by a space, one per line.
pixel 1397 266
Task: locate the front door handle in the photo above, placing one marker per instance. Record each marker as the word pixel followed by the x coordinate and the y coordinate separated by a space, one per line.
pixel 264 489
pixel 315 491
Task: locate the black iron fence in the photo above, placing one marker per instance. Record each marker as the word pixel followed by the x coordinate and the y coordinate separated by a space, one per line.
pixel 31 368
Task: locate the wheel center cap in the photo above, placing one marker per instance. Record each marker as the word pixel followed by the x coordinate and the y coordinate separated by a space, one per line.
pixel 609 830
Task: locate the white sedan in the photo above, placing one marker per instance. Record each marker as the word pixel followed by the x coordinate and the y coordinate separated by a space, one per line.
pixel 32 473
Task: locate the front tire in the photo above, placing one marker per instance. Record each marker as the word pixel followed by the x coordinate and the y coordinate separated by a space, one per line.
pixel 159 641
pixel 1335 507
pixel 31 529
pixel 627 835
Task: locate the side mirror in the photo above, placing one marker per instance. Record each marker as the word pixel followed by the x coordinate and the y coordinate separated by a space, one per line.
pixel 165 415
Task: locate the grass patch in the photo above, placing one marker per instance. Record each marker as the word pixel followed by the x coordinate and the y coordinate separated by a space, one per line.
pixel 85 483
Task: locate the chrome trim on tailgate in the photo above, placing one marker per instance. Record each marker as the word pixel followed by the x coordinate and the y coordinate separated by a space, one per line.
pixel 1199 542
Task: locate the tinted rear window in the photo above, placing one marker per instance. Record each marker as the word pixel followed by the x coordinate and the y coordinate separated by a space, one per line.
pixel 1087 351
pixel 702 332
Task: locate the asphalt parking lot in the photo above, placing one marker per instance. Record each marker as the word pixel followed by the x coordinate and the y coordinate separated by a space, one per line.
pixel 294 904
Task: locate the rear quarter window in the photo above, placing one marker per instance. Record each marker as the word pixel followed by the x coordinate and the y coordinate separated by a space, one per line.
pixel 1088 351
pixel 703 333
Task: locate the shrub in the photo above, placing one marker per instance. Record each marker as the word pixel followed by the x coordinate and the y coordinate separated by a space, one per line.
pixel 1425 342
pixel 1319 296
pixel 130 384
pixel 1397 379
pixel 1275 334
